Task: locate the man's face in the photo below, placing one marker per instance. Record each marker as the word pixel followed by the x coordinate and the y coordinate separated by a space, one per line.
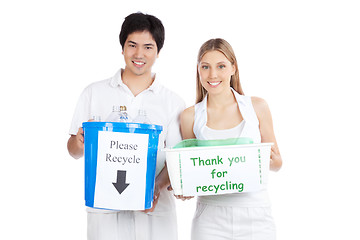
pixel 140 52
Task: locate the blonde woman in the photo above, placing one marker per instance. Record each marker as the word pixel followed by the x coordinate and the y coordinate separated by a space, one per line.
pixel 223 111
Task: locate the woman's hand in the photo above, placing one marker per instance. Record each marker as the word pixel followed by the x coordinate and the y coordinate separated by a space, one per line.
pixel 275 159
pixel 182 197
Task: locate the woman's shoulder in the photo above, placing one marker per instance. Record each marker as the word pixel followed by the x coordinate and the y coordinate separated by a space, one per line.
pixel 188 113
pixel 187 119
pixel 258 101
pixel 260 105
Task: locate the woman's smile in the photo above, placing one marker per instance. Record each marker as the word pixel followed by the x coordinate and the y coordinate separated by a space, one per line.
pixel 214 83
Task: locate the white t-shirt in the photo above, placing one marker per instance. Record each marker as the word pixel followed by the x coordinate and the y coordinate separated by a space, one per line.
pixel 162 106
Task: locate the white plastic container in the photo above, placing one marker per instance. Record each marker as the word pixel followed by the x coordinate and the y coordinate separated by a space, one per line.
pixel 212 170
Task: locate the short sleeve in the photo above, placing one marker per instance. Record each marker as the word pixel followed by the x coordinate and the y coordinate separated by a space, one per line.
pixel 82 112
pixel 173 134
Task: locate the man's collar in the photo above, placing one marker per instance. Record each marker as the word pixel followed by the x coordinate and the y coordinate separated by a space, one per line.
pixel 117 81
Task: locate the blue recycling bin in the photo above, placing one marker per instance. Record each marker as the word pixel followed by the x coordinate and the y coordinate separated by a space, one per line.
pixel 91 133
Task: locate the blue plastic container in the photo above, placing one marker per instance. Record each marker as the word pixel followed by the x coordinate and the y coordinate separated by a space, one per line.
pixel 91 130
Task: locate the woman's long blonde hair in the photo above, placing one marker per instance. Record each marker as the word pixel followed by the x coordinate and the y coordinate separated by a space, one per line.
pixel 217 44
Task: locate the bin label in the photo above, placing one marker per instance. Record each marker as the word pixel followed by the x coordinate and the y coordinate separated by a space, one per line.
pixel 222 171
pixel 121 170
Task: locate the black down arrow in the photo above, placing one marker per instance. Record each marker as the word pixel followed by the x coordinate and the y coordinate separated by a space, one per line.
pixel 120 184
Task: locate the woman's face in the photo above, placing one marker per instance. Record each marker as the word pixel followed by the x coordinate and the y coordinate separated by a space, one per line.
pixel 215 71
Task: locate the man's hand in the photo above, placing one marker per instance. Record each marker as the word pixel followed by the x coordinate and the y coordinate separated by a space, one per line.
pixel 156 199
pixel 162 181
pixel 75 144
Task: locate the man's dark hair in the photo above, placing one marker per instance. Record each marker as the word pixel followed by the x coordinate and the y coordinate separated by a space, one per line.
pixel 138 22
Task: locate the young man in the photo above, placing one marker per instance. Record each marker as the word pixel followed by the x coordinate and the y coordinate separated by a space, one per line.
pixel 141 38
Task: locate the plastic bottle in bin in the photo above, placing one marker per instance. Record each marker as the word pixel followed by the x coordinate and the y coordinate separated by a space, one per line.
pixel 124 116
pixel 141 117
pixel 119 114
pixel 96 118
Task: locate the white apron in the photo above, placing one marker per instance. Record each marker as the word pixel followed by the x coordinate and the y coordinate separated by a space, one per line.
pixel 237 216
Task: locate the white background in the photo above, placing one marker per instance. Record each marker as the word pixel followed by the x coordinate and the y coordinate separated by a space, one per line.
pixel 302 57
